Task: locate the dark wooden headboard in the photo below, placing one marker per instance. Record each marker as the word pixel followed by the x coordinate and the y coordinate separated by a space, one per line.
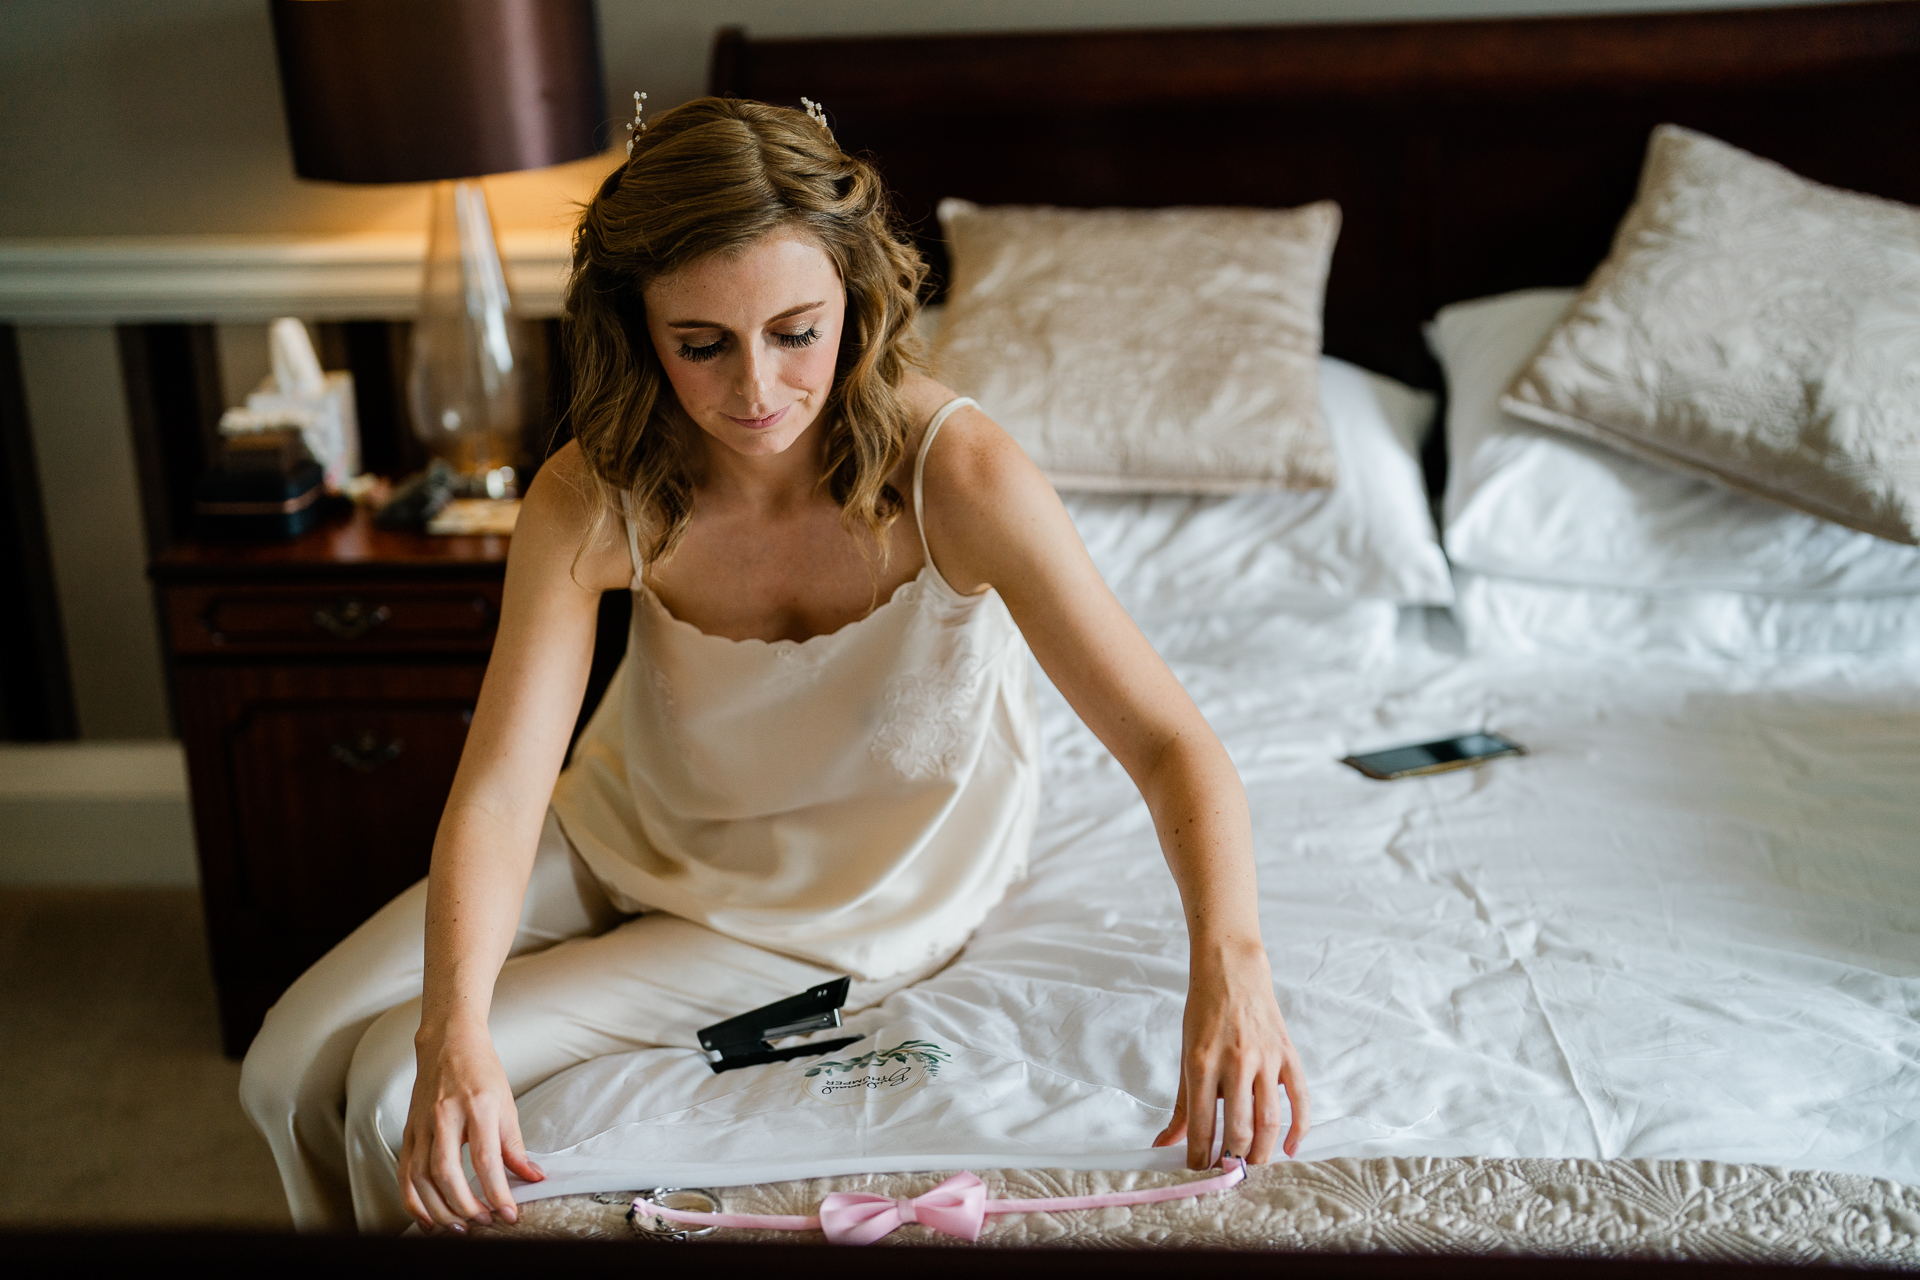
pixel 1469 157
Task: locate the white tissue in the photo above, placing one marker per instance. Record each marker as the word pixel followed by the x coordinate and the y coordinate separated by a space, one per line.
pixel 296 369
pixel 300 394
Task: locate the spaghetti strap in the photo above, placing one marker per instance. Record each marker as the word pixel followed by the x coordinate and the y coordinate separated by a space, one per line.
pixel 633 537
pixel 920 469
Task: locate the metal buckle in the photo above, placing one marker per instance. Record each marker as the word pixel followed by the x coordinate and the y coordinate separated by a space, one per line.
pixel 690 1199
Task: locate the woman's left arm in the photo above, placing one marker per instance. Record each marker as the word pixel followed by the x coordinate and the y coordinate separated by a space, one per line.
pixel 992 520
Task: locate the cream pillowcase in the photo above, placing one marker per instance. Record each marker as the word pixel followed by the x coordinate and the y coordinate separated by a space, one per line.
pixel 1753 327
pixel 1171 350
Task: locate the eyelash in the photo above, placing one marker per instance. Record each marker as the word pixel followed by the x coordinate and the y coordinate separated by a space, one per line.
pixel 712 349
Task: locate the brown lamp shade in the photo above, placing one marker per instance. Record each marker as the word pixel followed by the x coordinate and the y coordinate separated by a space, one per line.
pixel 417 90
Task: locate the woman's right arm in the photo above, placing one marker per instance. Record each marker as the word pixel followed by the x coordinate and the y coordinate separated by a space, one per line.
pixel 483 852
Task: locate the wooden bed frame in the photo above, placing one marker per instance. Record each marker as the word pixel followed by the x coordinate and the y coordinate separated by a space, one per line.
pixel 1469 157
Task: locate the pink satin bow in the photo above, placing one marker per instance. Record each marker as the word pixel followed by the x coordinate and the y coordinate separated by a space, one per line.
pixel 957 1207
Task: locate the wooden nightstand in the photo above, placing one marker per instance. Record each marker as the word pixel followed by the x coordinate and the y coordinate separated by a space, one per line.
pixel 323 689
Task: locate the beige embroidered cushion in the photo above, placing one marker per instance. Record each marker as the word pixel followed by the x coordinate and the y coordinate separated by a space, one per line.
pixel 1754 327
pixel 1160 349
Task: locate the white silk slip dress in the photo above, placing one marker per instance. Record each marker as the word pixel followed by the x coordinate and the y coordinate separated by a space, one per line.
pixel 859 799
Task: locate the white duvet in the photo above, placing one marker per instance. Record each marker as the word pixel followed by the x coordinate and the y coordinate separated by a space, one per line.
pixel 1687 925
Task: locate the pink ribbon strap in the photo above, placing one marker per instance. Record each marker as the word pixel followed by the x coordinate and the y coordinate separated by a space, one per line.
pixel 957 1207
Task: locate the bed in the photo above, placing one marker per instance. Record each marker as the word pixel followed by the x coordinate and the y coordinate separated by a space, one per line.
pixel 1651 990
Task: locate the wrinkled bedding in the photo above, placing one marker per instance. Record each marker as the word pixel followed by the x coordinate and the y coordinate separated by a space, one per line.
pixel 1686 927
pixel 1679 1210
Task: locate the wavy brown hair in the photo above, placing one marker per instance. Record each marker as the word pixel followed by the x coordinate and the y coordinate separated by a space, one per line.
pixel 713 176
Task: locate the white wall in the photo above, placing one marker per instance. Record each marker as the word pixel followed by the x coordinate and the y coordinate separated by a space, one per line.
pixel 95 535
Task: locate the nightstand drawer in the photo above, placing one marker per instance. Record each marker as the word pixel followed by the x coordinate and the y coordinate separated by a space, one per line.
pixel 311 618
pixel 317 791
pixel 336 798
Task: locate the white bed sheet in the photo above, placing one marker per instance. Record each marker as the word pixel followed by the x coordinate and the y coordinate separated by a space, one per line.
pixel 1687 925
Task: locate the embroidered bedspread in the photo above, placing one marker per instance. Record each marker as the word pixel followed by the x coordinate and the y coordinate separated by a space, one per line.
pixel 1696 1210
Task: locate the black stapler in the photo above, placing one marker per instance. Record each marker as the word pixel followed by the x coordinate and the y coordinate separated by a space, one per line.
pixel 743 1041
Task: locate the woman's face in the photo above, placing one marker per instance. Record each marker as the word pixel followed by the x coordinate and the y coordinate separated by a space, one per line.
pixel 748 339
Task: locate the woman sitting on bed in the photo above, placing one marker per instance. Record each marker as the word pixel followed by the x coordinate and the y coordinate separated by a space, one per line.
pixel 820 756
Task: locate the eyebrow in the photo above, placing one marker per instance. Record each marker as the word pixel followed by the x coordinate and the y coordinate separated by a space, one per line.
pixel 715 324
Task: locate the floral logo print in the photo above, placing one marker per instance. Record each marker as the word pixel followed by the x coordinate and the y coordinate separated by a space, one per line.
pixel 925 1052
pixel 879 1076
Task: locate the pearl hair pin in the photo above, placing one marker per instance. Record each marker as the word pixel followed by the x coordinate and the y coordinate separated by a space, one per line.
pixel 638 126
pixel 817 114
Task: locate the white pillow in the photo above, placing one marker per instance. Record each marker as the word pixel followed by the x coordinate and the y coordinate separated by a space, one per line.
pixel 1369 537
pixel 1498 613
pixel 1560 543
pixel 1145 349
pixel 1752 327
pixel 1530 502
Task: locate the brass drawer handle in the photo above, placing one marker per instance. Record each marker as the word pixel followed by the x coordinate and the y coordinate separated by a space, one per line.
pixel 350 619
pixel 364 752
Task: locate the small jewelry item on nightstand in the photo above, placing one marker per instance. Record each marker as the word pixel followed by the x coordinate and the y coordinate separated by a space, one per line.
pixel 418 499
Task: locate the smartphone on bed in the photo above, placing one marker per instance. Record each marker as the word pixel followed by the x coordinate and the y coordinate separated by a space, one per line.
pixel 1434 757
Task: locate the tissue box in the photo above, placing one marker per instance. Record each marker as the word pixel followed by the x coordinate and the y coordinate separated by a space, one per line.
pixel 326 420
pixel 282 452
pixel 259 505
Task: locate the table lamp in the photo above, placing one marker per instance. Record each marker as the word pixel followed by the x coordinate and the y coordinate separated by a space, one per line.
pixel 447 91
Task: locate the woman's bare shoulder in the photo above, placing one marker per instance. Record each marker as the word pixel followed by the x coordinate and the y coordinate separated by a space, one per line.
pixel 923 396
pixel 975 460
pixel 972 449
pixel 989 509
pixel 557 523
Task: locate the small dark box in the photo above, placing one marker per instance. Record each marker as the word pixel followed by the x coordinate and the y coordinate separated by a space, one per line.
pixel 266 504
pixel 279 451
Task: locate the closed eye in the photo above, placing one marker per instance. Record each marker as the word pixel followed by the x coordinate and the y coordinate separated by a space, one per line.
pixel 805 338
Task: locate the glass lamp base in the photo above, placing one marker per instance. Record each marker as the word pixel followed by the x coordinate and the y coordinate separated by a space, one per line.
pixel 468 383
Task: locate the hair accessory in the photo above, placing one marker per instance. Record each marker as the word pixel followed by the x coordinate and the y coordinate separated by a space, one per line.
pixel 817 114
pixel 957 1207
pixel 638 126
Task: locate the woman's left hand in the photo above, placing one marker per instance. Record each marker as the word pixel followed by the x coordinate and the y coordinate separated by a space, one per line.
pixel 1236 1048
pixel 991 520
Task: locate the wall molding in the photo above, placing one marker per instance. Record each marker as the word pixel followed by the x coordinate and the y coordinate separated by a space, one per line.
pixel 152 769
pixel 116 279
pixel 95 814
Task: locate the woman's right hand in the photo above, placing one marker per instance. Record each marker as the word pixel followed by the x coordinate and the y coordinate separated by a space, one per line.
pixel 485 847
pixel 461 1098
